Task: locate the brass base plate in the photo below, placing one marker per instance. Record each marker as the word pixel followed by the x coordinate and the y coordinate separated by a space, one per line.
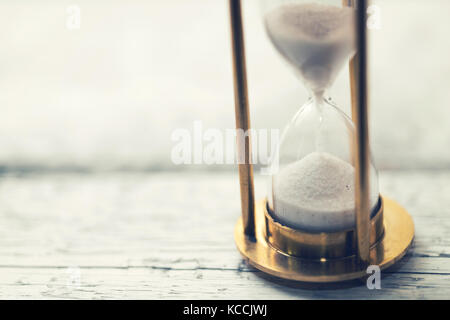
pixel 398 237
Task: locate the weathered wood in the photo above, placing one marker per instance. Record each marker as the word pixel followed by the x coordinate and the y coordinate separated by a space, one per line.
pixel 146 283
pixel 129 235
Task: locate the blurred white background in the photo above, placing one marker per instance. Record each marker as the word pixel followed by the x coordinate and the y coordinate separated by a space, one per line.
pixel 109 94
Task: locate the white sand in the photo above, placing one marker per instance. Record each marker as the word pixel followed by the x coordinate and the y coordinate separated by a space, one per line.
pixel 317 193
pixel 317 39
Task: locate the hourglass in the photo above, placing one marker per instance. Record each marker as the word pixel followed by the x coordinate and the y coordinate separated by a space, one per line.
pixel 323 219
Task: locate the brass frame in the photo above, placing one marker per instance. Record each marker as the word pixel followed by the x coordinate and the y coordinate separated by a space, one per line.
pixel 330 245
pixel 317 257
pixel 397 238
pixel 242 117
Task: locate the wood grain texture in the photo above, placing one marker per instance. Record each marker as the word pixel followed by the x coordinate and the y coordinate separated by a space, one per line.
pixel 170 235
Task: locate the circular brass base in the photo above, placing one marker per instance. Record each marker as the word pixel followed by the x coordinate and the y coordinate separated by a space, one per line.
pixel 398 237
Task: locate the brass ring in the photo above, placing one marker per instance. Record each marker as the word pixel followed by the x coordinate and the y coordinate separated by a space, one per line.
pixel 319 246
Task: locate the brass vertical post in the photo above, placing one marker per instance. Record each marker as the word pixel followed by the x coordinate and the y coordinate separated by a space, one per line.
pixel 242 118
pixel 360 117
pixel 353 70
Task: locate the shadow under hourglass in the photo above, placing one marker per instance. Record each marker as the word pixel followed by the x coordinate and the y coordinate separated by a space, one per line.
pixel 302 287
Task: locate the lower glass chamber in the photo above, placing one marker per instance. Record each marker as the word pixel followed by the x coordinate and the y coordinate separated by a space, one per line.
pixel 312 187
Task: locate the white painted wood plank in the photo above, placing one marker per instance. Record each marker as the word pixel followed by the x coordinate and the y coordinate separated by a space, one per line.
pixel 171 236
pixel 201 284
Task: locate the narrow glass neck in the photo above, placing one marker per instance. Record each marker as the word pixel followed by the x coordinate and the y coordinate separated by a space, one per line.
pixel 319 97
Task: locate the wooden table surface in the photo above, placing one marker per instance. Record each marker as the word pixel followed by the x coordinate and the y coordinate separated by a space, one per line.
pixel 170 236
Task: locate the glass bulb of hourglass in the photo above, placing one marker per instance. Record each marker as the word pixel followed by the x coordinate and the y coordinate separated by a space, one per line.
pixel 312 187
